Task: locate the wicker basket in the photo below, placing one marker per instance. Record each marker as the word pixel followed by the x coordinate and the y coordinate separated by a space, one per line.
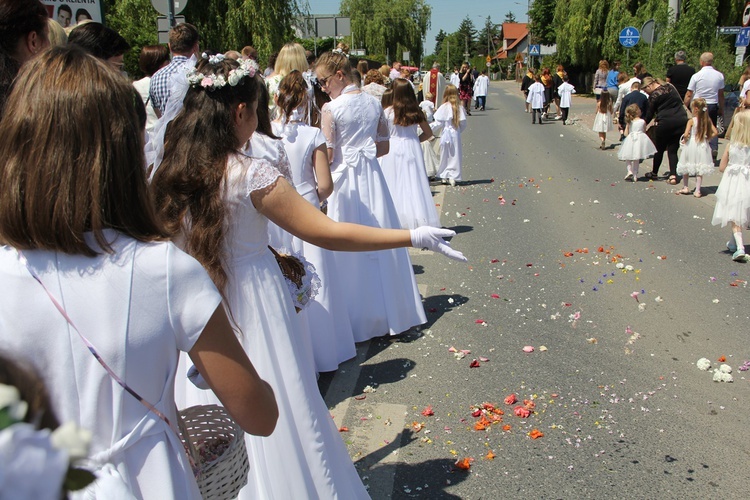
pixel 221 477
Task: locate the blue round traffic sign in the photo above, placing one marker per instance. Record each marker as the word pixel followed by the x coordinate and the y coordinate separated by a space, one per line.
pixel 629 37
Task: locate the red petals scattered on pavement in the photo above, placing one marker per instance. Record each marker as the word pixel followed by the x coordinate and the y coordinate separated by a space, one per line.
pixel 427 412
pixel 489 455
pixel 464 463
pixel 474 364
pixel 511 399
pixel 343 429
pixel 495 296
pixel 522 412
pixel 722 359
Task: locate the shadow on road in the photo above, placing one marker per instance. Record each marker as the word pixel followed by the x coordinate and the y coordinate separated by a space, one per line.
pixel 426 479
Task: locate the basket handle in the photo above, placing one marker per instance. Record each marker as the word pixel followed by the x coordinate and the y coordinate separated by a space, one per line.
pixel 192 452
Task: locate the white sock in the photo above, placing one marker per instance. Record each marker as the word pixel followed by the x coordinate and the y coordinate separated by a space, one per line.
pixel 636 164
pixel 738 240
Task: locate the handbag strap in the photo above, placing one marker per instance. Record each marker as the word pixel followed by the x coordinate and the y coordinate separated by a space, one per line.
pixel 90 346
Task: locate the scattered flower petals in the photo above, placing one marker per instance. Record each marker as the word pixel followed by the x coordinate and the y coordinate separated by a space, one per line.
pixel 427 412
pixel 522 412
pixel 464 464
pixel 495 296
pixel 343 429
pixel 474 364
pixel 722 359
pixel 592 340
pixel 452 349
pixel 506 427
pixel 489 455
pixel 536 434
pixel 417 426
pixel 528 348
pixel 483 359
pixel 704 364
pixel 510 399
pixel 543 348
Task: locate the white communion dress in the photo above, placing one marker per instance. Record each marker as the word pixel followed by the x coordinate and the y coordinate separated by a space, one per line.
pixel 450 141
pixel 404 172
pixel 695 156
pixel 733 193
pixel 327 314
pixel 382 294
pixel 637 145
pixel 139 307
pixel 305 456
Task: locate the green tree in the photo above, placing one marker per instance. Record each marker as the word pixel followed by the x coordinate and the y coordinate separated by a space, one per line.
pixel 486 37
pixel 468 35
pixel 582 22
pixel 390 26
pixel 510 17
pixel 541 18
pixel 439 41
pixel 135 20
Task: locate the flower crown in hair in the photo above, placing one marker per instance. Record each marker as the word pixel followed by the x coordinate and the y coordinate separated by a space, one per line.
pixel 196 79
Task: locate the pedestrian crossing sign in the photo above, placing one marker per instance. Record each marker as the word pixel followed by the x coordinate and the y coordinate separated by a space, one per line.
pixel 535 50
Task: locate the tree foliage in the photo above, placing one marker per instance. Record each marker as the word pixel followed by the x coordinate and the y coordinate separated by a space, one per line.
pixel 486 37
pixel 223 24
pixel 541 20
pixel 510 17
pixel 389 26
pixel 468 35
pixel 439 40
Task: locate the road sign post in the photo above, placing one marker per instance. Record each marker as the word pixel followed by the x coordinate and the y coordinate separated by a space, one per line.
pixel 629 37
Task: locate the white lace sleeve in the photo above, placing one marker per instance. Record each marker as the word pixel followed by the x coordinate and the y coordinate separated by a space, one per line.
pixel 383 134
pixel 283 163
pixel 256 174
pixel 328 126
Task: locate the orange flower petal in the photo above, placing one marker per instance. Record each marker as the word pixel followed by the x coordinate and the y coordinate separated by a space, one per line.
pixel 506 427
pixel 489 455
pixel 722 359
pixel 536 434
pixel 464 464
pixel 343 429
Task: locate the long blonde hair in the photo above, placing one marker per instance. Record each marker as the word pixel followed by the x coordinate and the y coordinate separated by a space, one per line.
pixel 451 95
pixel 741 128
pixel 700 111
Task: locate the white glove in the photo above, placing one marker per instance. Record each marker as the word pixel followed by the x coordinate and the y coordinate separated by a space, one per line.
pixel 431 238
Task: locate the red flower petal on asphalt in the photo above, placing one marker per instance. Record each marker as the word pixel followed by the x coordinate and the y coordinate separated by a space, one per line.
pixel 483 359
pixel 522 412
pixel 476 413
pixel 529 265
pixel 479 321
pixel 536 434
pixel 343 429
pixel 463 464
pixel 474 364
pixel 511 399
pixel 427 412
pixel 495 296
pixel 493 261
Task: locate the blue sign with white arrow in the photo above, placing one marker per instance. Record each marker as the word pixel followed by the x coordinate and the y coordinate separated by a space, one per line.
pixel 535 50
pixel 629 37
pixel 743 38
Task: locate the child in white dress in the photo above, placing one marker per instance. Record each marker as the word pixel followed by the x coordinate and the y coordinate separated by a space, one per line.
pixel 637 146
pixel 217 202
pixel 431 160
pixel 78 226
pixel 450 121
pixel 695 155
pixel 536 99
pixel 603 118
pixel 403 166
pixel 305 146
pixel 733 193
pixel 565 91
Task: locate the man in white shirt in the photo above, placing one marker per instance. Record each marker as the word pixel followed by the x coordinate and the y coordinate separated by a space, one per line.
pixel 708 83
pixel 480 89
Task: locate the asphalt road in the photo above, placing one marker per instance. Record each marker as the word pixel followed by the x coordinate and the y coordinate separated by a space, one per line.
pixel 623 409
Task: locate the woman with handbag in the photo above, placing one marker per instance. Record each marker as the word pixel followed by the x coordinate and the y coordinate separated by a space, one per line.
pixel 91 272
pixel 670 118
pixel 218 202
pixel 600 78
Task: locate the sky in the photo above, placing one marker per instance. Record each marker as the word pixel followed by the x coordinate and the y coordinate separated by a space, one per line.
pixel 448 14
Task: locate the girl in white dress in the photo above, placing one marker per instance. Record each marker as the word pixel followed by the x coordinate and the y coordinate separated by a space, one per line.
pixel 733 193
pixel 637 146
pixel 403 166
pixel 695 155
pixel 603 118
pixel 431 160
pixel 382 294
pixel 327 314
pixel 450 121
pixel 76 212
pixel 218 202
